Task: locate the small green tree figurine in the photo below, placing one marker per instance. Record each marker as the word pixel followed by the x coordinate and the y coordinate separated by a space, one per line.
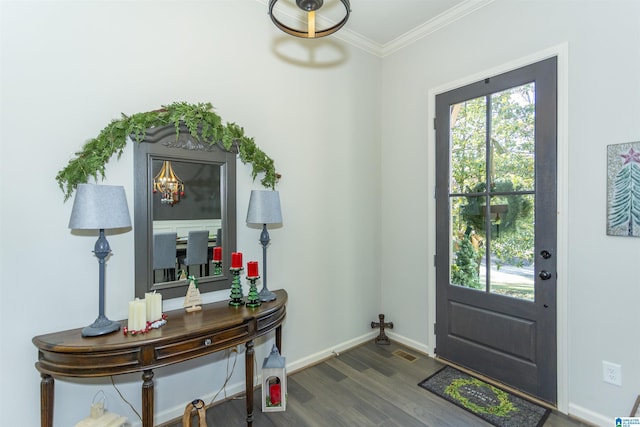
pixel 253 298
pixel 236 288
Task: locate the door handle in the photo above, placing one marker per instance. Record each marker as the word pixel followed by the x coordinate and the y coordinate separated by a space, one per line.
pixel 545 275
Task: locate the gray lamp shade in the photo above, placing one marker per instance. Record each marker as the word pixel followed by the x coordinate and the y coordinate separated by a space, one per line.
pixel 264 207
pixel 99 207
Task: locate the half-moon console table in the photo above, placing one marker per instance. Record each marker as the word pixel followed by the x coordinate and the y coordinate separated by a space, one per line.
pixel 185 336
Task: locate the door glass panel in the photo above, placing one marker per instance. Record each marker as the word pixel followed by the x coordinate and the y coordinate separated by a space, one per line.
pixel 511 243
pixel 467 246
pixel 513 138
pixel 468 146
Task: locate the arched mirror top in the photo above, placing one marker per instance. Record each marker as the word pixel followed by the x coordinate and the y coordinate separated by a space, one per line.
pixel 184 196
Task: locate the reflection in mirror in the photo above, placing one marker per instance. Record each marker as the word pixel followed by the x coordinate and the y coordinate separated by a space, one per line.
pixel 190 211
pixel 184 213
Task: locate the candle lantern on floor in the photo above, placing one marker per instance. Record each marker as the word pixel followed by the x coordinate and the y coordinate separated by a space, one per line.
pixel 274 382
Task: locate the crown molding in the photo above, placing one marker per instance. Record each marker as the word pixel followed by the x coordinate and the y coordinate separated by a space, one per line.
pixel 381 50
pixel 444 19
pixel 359 41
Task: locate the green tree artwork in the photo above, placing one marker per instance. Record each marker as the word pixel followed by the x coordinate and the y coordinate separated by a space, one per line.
pixel 623 189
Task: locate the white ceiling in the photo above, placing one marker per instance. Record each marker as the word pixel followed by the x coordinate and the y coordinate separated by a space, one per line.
pixel 383 26
pixel 383 21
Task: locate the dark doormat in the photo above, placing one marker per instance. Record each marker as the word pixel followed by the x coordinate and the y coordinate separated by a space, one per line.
pixel 484 400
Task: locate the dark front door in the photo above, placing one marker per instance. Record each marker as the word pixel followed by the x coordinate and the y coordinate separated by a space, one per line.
pixel 496 228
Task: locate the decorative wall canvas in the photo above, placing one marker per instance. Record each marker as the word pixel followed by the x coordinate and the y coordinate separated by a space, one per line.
pixel 623 189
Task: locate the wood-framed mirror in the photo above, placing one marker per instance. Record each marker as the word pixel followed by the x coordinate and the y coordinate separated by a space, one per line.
pixel 208 173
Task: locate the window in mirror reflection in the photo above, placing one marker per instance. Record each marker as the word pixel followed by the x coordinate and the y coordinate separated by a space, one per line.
pixel 185 233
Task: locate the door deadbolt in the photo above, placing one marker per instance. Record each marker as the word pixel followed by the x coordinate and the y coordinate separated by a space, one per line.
pixel 544 275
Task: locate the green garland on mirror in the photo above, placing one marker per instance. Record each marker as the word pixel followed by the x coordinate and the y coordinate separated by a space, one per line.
pixel 203 124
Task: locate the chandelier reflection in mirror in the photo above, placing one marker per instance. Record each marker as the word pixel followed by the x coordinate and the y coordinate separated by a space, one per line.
pixel 167 183
pixel 310 7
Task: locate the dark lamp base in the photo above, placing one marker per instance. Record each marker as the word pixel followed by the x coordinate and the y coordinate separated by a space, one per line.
pixel 102 326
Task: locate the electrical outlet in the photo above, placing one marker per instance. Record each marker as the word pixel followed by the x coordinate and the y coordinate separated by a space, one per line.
pixel 611 373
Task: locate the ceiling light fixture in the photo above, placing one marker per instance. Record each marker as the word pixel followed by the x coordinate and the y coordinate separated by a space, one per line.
pixel 310 6
pixel 167 183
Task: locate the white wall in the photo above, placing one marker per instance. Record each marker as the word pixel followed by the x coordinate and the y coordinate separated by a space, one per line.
pixel 70 67
pixel 600 284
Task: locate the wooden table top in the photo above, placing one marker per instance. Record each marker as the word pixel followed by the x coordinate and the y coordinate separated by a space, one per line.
pixel 186 335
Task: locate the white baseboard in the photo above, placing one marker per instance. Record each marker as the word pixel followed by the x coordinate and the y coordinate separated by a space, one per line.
pixel 238 387
pixel 418 346
pixel 328 352
pixel 590 417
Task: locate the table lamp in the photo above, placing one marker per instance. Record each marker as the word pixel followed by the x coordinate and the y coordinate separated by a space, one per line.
pixel 100 207
pixel 264 208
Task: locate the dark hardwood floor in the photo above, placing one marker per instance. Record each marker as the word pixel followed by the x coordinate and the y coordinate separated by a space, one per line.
pixel 365 386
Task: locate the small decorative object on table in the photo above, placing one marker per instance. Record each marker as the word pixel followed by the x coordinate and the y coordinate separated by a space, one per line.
pixel 264 208
pixel 217 260
pixel 236 287
pixel 145 314
pixel 193 299
pixel 100 207
pixel 382 337
pixel 253 299
pixel 154 306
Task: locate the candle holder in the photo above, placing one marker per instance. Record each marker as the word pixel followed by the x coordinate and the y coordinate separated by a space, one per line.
pixel 156 324
pixel 253 299
pixel 217 268
pixel 236 287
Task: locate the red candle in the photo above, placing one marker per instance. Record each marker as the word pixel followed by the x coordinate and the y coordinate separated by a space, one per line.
pixel 252 269
pixel 274 394
pixel 236 259
pixel 217 253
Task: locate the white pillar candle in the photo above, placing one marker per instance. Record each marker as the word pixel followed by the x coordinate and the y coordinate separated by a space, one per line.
pixel 153 302
pixel 149 301
pixel 158 305
pixel 141 314
pixel 137 315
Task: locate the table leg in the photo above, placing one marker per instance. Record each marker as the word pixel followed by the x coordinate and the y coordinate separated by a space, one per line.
pixel 147 398
pixel 46 400
pixel 279 338
pixel 248 362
